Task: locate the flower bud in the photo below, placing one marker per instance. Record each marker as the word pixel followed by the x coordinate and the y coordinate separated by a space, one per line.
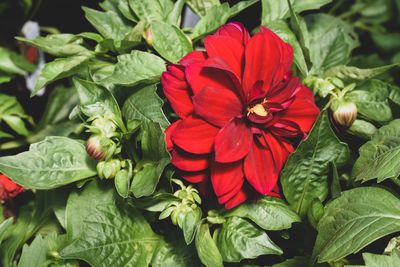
pixel 103 126
pixel 111 168
pixel 99 147
pixel 344 112
pixel 148 36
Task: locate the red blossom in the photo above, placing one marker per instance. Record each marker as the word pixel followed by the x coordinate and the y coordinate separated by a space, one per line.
pixel 8 189
pixel 240 110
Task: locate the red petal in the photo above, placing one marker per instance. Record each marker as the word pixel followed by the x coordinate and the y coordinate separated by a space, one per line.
pixel 267 59
pixel 168 132
pixel 193 57
pixel 237 199
pixel 278 149
pixel 188 161
pixel 233 141
pixel 199 77
pixel 236 31
pixel 303 110
pixel 228 49
pixel 260 170
pixel 177 90
pixel 195 177
pixel 217 106
pixel 227 179
pixel 195 135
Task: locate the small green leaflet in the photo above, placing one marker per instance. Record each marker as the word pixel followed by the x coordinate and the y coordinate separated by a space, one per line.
pixel 355 219
pixel 12 63
pixel 51 163
pixel 207 250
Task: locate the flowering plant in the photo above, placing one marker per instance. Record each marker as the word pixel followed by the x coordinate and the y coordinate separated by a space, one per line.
pixel 178 144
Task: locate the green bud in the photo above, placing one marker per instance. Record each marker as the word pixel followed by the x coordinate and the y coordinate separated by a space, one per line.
pixel 315 212
pixel 100 147
pixel 111 168
pixel 148 36
pixel 104 126
pixel 99 168
pixel 344 112
pixel 122 181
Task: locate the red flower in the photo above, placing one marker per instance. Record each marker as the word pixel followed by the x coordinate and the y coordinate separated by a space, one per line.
pixel 8 189
pixel 240 110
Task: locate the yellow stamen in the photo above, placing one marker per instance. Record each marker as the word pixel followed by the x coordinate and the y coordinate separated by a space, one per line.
pixel 258 109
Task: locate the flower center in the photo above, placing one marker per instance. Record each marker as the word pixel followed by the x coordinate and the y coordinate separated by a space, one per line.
pixel 258 109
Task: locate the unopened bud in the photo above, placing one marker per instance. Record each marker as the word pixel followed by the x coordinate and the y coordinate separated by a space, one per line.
pixel 344 112
pixel 99 147
pixel 103 126
pixel 111 168
pixel 148 36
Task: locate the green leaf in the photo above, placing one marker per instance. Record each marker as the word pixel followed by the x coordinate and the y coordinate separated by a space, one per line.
pixel 59 44
pixel 242 5
pixel 355 219
pixel 149 10
pixel 373 260
pixel 281 28
pixel 353 74
pixel 169 41
pixel 305 175
pixel 12 63
pixel 372 102
pixel 239 239
pixel 125 9
pixel 331 41
pixel 96 100
pixel 175 17
pixel 279 9
pixel 379 158
pixel 58 69
pixel 145 105
pixel 37 253
pixel 268 212
pixel 4 226
pixel 82 202
pixel 190 223
pixel 155 159
pixel 362 129
pixel 59 105
pixel 295 262
pixel 17 124
pixel 108 24
pixel 52 163
pixel 207 250
pixel 173 254
pixel 201 7
pixel 137 67
pixel 114 236
pixel 212 20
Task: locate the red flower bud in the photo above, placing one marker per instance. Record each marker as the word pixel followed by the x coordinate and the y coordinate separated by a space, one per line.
pixel 344 113
pixel 8 189
pixel 148 36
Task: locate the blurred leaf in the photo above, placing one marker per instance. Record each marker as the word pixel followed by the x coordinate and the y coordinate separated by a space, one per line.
pixel 353 74
pixel 59 44
pixel 12 63
pixel 150 10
